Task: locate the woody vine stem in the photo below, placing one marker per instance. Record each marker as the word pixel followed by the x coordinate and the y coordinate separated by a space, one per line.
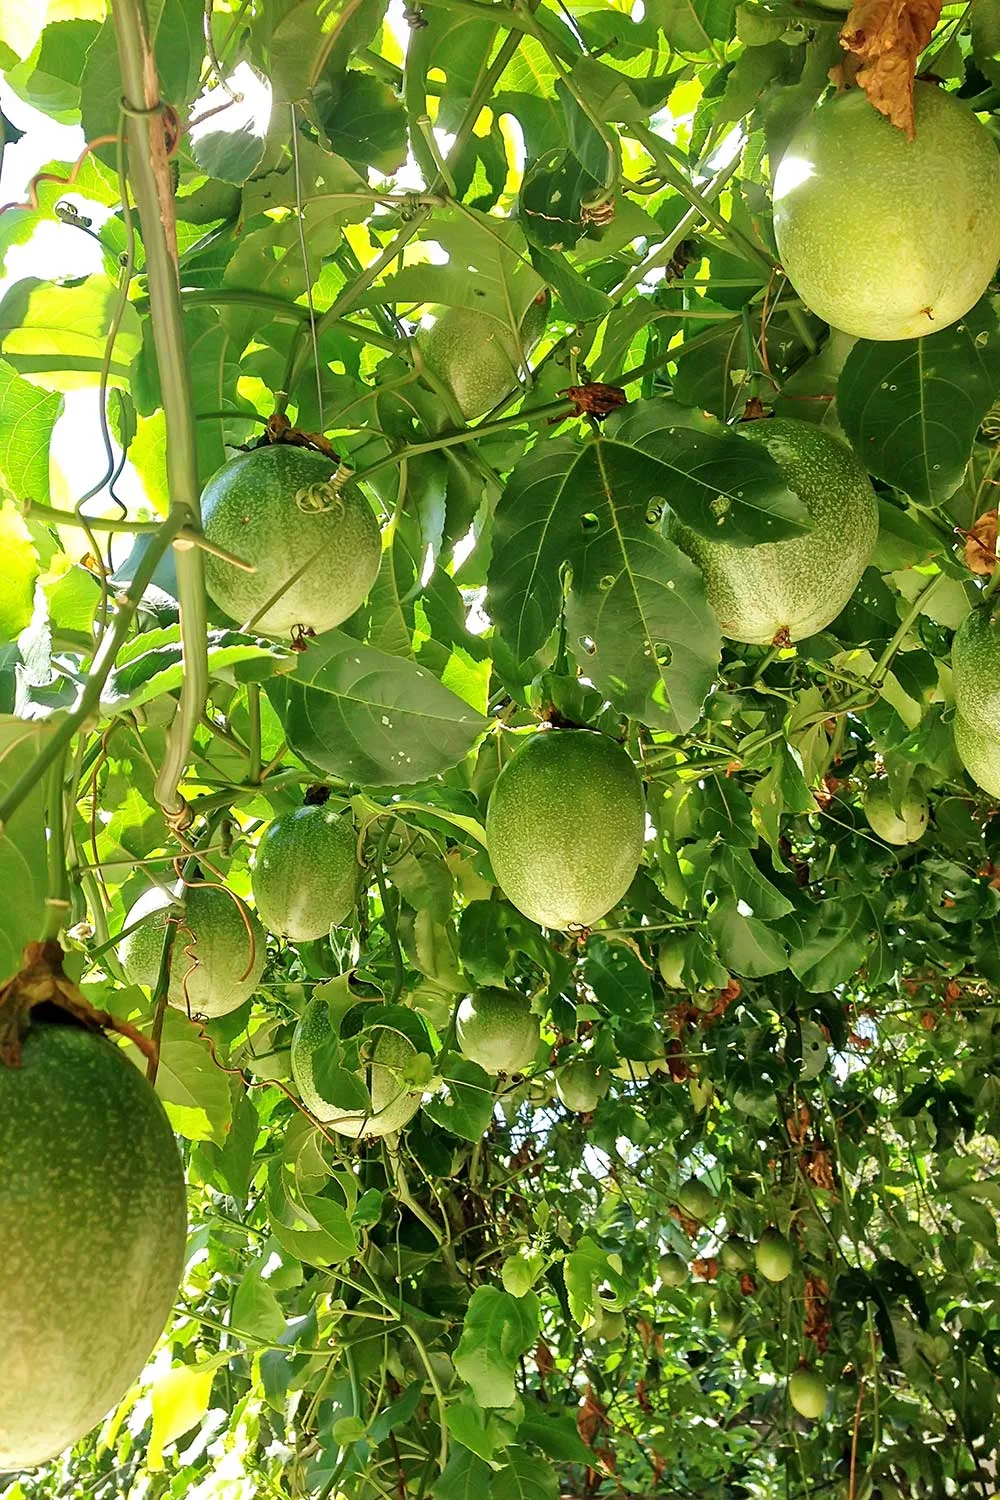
pixel 149 174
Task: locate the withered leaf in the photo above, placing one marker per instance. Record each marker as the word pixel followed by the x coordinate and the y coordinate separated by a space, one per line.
pixel 981 544
pixel 884 38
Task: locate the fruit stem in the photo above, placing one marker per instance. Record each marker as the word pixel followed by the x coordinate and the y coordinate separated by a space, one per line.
pixel 389 914
pixel 149 173
pixel 915 610
pixel 57 900
pixel 253 732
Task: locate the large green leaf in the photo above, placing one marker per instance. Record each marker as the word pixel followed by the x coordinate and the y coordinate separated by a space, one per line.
pixel 524 1477
pixel 637 617
pixel 194 1090
pixel 22 843
pixel 27 417
pixel 56 335
pixel 371 718
pixel 912 408
pixel 464 1104
pixel 497 1330
pixel 706 475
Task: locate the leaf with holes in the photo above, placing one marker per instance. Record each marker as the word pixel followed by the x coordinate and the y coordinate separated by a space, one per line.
pixel 912 408
pixel 638 620
pixel 709 479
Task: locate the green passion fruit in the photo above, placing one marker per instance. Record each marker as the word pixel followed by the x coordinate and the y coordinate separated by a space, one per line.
pixel 979 754
pixel 779 592
pixel 885 237
pixel 696 1200
pixel 672 1269
pixel 218 953
pixel 774 1256
pixel 902 826
pixel 565 827
pixel 581 1085
pixel 279 509
pixel 807 1392
pixel 92 1236
pixel 393 1101
pixel 305 874
pixel 735 1254
pixel 476 355
pixel 498 1030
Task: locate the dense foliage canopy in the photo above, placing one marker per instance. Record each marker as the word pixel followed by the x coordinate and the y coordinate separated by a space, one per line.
pixel 698 1199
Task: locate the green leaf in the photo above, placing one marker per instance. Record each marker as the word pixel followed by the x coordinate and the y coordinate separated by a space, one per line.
pixel 485 1432
pixel 18 571
pixel 693 25
pixel 465 1103
pixel 256 1310
pixel 555 1432
pixel 709 480
pixel 152 664
pixel 833 945
pixel 497 1330
pixel 194 1090
pixel 619 980
pixel 55 336
pixel 27 417
pixel 488 269
pixel 750 885
pixel 372 718
pixel 746 945
pixel 637 617
pixel 912 408
pixel 365 122
pixel 22 843
pixel 335 1224
pixel 525 1478
pixel 586 1269
pixel 465 1477
pixel 229 146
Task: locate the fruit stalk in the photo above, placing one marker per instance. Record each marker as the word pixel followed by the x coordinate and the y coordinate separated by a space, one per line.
pixel 149 174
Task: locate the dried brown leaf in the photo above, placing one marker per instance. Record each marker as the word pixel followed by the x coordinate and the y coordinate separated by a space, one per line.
pixel 981 544
pixel 884 38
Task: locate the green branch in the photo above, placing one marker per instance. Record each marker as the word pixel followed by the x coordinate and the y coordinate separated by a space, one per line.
pixel 149 172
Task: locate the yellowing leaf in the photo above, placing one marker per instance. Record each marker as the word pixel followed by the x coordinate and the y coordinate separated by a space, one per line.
pixel 18 569
pixel 180 1401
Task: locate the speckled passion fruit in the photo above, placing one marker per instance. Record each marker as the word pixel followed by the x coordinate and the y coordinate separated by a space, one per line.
pixel 277 507
pixel 92 1236
pixel 565 826
pixel 217 958
pixel 306 871
pixel 498 1030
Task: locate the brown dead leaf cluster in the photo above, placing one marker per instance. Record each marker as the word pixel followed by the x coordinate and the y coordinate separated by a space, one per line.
pixel 981 544
pixel 883 39
pixel 817 1312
